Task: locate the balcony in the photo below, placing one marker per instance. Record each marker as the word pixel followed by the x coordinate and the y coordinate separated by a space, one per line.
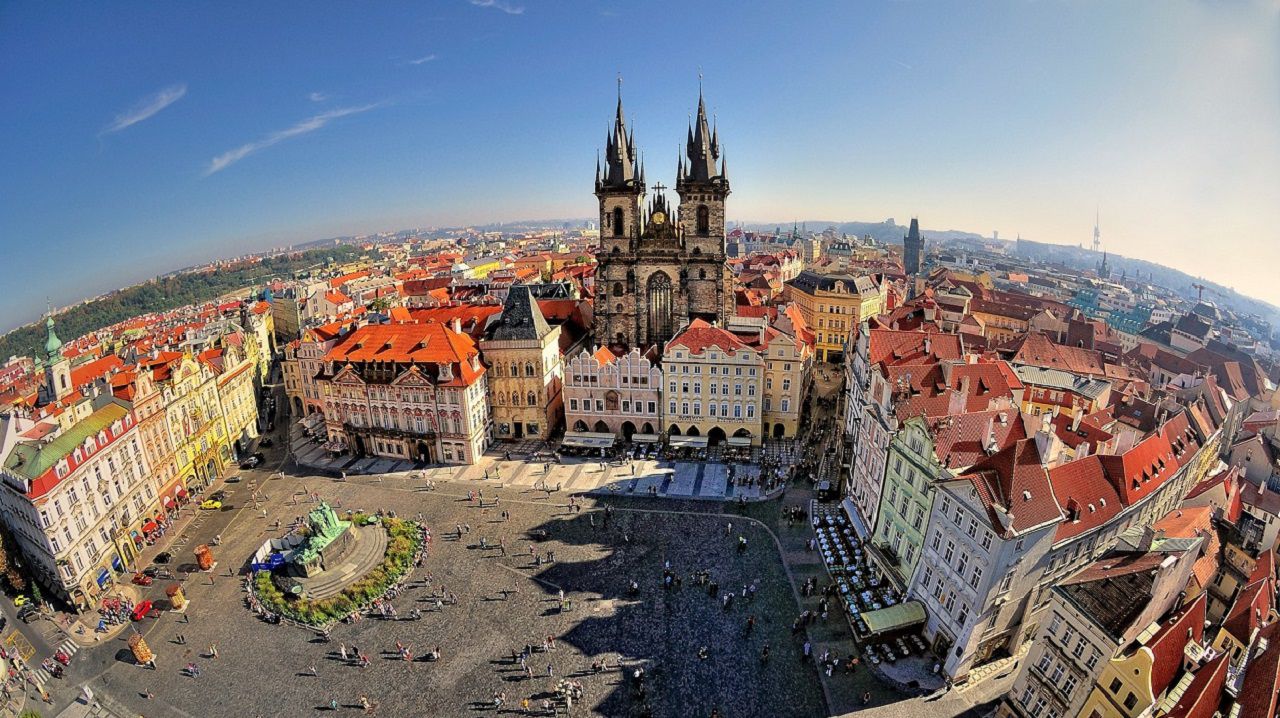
pixel 387 433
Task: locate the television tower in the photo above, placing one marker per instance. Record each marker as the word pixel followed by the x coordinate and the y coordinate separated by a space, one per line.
pixel 1097 233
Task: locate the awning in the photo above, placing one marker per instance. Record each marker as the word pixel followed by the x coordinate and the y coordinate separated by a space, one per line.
pixel 116 563
pixel 182 493
pixel 149 526
pixel 588 440
pixel 687 442
pixel 646 438
pixel 738 441
pixel 168 501
pixel 103 577
pixel 893 618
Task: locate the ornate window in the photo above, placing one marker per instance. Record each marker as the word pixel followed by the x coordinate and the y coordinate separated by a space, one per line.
pixel 617 223
pixel 659 291
pixel 617 289
pixel 704 220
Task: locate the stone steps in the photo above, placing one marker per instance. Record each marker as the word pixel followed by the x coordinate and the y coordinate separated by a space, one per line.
pixel 370 545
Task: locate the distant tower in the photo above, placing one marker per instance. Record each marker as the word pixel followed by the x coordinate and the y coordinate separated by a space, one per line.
pixel 1104 272
pixel 912 249
pixel 1097 233
pixel 57 371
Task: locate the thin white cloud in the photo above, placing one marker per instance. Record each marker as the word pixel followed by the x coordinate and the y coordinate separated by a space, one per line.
pixel 147 107
pixel 423 59
pixel 900 63
pixel 502 5
pixel 317 97
pixel 311 124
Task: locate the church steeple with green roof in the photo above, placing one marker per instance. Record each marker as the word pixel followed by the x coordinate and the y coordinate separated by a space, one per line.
pixel 57 371
pixel 52 344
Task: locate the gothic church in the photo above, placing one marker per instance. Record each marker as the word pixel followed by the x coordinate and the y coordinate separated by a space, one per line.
pixel 658 269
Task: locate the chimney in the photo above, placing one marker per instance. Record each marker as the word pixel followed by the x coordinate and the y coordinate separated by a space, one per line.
pixel 1149 537
pixel 456 325
pixel 928 345
pixel 1075 421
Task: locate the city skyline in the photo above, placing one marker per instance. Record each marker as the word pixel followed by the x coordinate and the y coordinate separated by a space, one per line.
pixel 132 167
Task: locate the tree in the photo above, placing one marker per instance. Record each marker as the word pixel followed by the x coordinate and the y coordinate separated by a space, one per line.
pixel 10 561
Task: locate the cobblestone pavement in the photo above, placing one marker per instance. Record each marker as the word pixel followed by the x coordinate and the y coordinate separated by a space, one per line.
pixel 504 602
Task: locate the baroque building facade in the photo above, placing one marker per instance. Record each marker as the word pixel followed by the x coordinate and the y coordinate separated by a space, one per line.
pixel 660 267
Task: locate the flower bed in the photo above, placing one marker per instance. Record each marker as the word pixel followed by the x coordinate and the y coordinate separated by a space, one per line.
pixel 406 540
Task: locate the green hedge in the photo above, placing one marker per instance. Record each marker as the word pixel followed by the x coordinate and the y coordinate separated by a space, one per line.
pixel 403 540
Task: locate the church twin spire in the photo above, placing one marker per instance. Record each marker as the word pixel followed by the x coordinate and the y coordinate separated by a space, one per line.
pixel 622 169
pixel 702 149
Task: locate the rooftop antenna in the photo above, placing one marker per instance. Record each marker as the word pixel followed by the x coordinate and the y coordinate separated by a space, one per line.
pixel 1097 231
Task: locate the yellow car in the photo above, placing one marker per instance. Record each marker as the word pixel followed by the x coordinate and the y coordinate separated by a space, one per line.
pixel 20 601
pixel 211 505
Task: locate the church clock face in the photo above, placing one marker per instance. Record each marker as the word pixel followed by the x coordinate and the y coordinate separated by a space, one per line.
pixel 659 218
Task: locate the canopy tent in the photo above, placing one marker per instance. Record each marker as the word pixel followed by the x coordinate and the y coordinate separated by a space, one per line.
pixel 687 442
pixel 738 441
pixel 893 618
pixel 646 438
pixel 587 440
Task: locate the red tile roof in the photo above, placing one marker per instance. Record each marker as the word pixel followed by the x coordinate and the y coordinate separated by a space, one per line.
pixel 89 371
pixel 1191 522
pixel 891 346
pixel 1142 469
pixel 1262 699
pixel 1185 626
pixel 1253 604
pixel 339 281
pixel 1085 495
pixel 1203 696
pixel 1035 349
pixel 700 336
pixel 429 343
pixel 1014 483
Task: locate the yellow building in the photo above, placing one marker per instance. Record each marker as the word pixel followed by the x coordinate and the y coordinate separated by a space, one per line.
pixel 195 417
pixel 833 305
pixel 237 399
pixel 526 376
pixel 714 385
pixel 1133 680
pixel 786 346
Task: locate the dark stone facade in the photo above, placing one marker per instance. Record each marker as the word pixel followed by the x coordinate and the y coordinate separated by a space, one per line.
pixel 659 269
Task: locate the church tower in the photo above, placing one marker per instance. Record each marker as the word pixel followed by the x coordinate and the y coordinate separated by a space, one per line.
pixel 912 249
pixel 659 266
pixel 703 187
pixel 57 371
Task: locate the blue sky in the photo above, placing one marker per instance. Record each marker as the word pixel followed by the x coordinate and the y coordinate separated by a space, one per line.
pixel 137 139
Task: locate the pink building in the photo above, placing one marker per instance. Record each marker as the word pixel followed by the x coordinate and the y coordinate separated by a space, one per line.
pixel 611 394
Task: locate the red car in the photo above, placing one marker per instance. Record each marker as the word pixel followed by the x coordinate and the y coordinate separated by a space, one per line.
pixel 142 579
pixel 141 610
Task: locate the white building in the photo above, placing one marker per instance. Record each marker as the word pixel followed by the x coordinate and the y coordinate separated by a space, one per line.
pixel 78 501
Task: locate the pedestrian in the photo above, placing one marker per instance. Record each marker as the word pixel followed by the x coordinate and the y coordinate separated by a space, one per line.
pixel 550 671
pixel 342 651
pixel 213 650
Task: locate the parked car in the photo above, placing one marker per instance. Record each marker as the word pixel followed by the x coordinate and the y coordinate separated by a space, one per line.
pixel 164 557
pixel 234 479
pixel 28 613
pixel 250 462
pixel 210 505
pixel 218 495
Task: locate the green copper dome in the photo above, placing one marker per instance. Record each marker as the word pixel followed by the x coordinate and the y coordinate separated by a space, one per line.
pixel 52 345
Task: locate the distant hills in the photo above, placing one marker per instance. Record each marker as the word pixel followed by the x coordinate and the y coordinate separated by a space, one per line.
pixel 164 293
